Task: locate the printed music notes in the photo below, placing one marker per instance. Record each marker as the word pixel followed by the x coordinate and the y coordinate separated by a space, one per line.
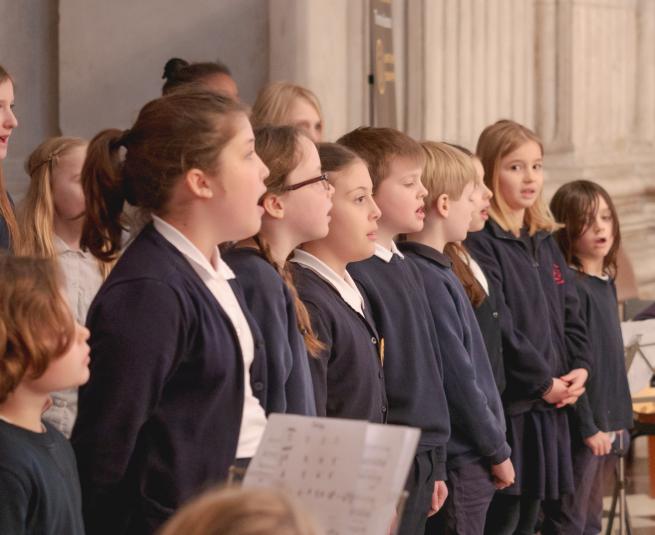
pixel 348 473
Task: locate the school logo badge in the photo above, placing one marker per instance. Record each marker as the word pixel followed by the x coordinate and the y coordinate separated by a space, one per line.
pixel 557 275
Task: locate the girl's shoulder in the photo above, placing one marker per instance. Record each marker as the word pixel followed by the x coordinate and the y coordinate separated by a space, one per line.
pixel 249 264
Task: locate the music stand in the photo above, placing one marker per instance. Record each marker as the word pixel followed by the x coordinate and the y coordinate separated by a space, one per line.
pixel 619 496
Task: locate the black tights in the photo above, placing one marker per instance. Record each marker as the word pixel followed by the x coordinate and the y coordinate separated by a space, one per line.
pixel 512 515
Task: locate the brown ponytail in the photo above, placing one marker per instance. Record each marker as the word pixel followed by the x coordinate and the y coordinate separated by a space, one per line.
pixel 6 209
pixel 172 134
pixel 278 147
pixel 457 254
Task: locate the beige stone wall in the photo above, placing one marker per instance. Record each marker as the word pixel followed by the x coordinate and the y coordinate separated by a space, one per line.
pixel 579 72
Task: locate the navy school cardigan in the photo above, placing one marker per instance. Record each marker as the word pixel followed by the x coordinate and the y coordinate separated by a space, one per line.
pixel 289 384
pixel 543 335
pixel 160 416
pixel 488 319
pixel 348 376
pixel 476 412
pixel 413 362
pixel 606 405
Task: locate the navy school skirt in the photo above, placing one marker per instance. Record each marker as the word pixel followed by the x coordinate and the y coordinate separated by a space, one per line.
pixel 541 454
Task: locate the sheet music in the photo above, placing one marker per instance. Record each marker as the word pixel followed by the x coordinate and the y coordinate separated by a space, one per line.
pixel 348 473
pixel 643 333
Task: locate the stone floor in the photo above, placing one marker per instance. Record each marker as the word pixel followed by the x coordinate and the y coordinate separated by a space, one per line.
pixel 641 507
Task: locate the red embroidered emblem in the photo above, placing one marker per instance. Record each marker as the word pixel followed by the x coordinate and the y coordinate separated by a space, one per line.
pixel 557 275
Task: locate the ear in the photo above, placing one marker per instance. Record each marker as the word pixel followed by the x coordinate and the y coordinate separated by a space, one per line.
pixel 199 184
pixel 273 205
pixel 442 205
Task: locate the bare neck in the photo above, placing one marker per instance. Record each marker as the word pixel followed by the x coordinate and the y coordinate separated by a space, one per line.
pixel 69 230
pixel 432 235
pixel 23 408
pixel 327 256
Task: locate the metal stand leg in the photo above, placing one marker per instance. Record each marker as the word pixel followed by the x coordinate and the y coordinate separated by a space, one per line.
pixel 619 496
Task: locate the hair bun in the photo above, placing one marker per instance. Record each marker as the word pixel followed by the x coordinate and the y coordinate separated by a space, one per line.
pixel 173 66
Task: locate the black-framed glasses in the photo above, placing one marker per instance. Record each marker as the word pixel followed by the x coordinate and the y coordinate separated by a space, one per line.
pixel 322 178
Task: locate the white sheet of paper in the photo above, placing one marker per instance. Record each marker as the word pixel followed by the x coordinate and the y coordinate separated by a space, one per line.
pixel 639 373
pixel 348 473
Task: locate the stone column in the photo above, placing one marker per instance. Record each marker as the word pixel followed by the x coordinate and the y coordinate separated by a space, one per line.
pixel 471 62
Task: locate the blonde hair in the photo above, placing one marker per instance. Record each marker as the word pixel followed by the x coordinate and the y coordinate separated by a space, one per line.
pixel 36 212
pixel 497 141
pixel 274 103
pixel 447 170
pixel 238 511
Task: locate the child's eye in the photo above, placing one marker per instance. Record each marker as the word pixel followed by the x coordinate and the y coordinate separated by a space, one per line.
pixel 360 199
pixel 537 166
pixel 515 167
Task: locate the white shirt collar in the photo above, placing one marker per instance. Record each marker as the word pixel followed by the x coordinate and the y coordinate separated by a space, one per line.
pixel 385 254
pixel 345 286
pixel 192 253
pixel 62 247
pixel 603 277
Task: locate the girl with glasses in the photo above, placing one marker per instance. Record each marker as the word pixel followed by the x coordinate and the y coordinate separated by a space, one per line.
pixel 296 208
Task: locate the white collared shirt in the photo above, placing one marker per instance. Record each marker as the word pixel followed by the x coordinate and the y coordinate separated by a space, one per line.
pixel 345 286
pixel 82 277
pixel 253 420
pixel 387 254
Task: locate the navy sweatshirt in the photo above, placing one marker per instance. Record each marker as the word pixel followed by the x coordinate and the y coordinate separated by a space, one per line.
pixel 347 375
pixel 489 322
pixel 39 485
pixel 539 311
pixel 159 419
pixel 606 405
pixel 413 367
pixel 476 412
pixel 289 384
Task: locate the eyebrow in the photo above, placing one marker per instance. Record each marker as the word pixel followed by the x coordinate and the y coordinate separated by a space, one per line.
pixel 363 188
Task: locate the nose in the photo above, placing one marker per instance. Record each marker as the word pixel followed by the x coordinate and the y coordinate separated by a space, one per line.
pixel 264 171
pixel 9 120
pixel 84 332
pixel 375 213
pixel 422 192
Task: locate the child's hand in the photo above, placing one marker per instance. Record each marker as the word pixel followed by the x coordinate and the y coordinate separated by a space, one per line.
pixel 599 444
pixel 558 393
pixel 438 497
pixel 503 474
pixel 576 380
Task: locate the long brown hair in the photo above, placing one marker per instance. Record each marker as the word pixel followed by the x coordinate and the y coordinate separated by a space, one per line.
pixel 172 134
pixel 279 148
pixel 575 205
pixel 495 142
pixel 36 325
pixel 6 209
